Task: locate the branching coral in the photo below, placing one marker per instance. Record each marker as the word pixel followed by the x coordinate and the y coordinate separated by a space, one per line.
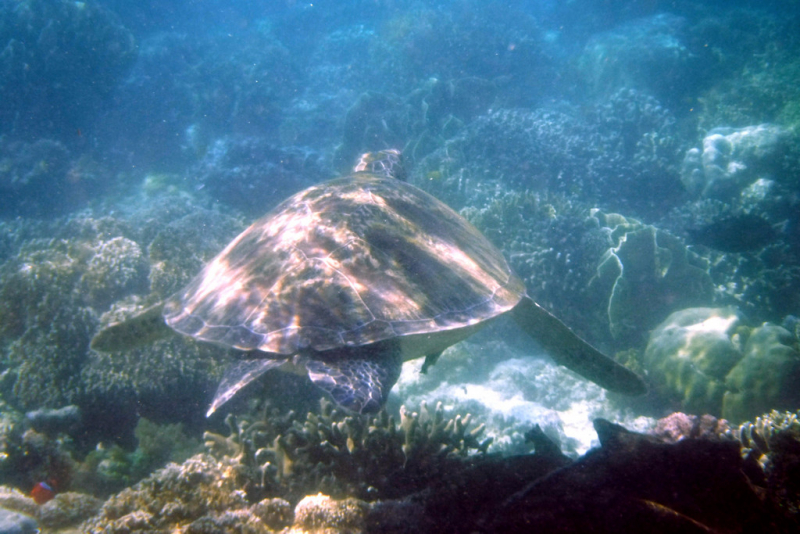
pixel 343 455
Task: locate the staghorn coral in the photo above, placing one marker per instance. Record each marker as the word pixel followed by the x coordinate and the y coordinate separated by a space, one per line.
pixel 772 442
pixel 756 434
pixel 341 455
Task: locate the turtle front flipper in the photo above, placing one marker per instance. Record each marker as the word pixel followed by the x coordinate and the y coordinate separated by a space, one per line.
pixel 142 329
pixel 359 383
pixel 569 350
pixel 239 375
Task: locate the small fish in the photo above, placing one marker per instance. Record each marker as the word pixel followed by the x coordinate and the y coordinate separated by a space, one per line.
pixel 735 233
pixel 42 492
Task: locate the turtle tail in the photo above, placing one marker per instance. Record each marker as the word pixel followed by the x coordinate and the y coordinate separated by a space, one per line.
pixel 569 350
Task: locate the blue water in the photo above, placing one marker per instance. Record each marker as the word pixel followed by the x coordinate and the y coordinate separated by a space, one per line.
pixel 137 138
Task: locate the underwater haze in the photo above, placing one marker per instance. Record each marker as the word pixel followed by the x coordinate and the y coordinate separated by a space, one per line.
pixel 636 164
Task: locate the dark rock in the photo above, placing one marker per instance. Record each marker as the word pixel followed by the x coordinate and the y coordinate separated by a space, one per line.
pixel 53 421
pixel 635 483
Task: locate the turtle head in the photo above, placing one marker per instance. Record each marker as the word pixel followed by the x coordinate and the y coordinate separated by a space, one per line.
pixel 388 163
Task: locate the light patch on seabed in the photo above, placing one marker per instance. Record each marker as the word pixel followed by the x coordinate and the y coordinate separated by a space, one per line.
pixel 500 401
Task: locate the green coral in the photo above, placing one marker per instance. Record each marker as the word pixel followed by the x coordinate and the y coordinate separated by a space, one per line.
pixel 766 378
pixel 690 354
pixel 712 363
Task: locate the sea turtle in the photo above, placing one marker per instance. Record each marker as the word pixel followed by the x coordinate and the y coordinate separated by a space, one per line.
pixel 345 281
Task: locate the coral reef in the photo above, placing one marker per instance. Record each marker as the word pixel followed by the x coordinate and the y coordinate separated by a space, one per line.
pixel 253 175
pixel 182 241
pixel 756 435
pixel 772 442
pixel 473 39
pixel 33 176
pixel 599 154
pixel 109 469
pixel 678 426
pixel 60 60
pixel 14 523
pixel 733 159
pixel 343 455
pixel 46 326
pixel 649 54
pixel 509 387
pixel 67 510
pixel 553 247
pixel 204 87
pixel 646 274
pixel 711 363
pixel 182 494
pixel 753 77
pixel 117 268
pixel 690 354
pixel 320 513
pixel 54 421
pixel 53 288
pixel 766 377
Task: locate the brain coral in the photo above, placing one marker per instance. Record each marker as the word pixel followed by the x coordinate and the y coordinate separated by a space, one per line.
pixel 690 354
pixel 766 378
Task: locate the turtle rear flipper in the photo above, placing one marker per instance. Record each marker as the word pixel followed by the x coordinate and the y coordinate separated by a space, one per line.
pixel 239 375
pixel 569 350
pixel 142 329
pixel 360 384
